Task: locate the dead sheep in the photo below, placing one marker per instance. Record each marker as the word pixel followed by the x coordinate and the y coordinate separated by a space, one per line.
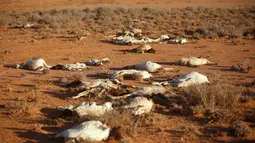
pixel 146 66
pixel 186 80
pixel 96 62
pixel 70 67
pixel 33 64
pixel 89 109
pixel 190 79
pixel 130 74
pixel 194 61
pixel 144 91
pixel 87 131
pixel 176 41
pixel 139 105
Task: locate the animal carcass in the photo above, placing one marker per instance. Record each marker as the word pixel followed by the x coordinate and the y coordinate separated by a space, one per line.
pixel 144 91
pixel 133 74
pixel 139 105
pixel 33 64
pixel 190 79
pixel 176 41
pixel 194 61
pixel 88 131
pixel 96 62
pixel 148 66
pixel 71 67
pixel 97 87
pixel 89 109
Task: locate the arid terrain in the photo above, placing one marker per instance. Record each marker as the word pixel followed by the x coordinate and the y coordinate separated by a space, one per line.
pixel 222 31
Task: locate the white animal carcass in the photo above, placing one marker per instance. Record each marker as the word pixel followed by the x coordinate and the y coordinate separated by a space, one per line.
pixel 134 74
pixel 190 79
pixel 144 91
pixel 180 41
pixel 70 67
pixel 35 64
pixel 74 67
pixel 129 38
pixel 148 66
pixel 96 62
pixel 90 109
pixel 88 131
pixel 97 83
pixel 139 105
pixel 194 61
pixel 97 87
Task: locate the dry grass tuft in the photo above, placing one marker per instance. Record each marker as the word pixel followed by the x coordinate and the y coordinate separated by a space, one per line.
pixel 218 102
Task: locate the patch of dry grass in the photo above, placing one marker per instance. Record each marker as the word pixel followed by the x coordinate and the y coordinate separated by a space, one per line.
pixel 218 101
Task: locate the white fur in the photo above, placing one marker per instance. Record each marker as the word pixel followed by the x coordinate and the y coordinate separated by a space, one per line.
pixel 90 109
pixel 122 73
pixel 176 41
pixel 194 61
pixel 139 105
pixel 74 67
pixel 148 66
pixel 145 91
pixel 190 79
pixel 35 64
pixel 89 131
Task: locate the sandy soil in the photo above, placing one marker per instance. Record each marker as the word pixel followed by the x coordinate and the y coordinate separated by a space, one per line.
pixel 43 95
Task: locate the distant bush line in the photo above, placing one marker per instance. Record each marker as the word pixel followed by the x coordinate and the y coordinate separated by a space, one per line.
pixel 193 22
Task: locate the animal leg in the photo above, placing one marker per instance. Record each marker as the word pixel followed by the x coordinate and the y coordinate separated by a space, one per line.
pixel 85 93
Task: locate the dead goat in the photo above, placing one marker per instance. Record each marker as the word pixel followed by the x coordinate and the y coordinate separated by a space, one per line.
pixel 194 61
pixel 97 87
pixel 88 109
pixel 33 64
pixel 146 66
pixel 139 105
pixel 70 67
pixel 144 91
pixel 186 80
pixel 178 41
pixel 130 74
pixel 96 62
pixel 87 131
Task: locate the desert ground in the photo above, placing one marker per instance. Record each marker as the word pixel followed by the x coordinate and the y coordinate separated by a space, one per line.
pixel 223 31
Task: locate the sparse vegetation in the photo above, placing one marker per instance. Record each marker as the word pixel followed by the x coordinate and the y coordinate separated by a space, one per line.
pixel 193 22
pixel 217 101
